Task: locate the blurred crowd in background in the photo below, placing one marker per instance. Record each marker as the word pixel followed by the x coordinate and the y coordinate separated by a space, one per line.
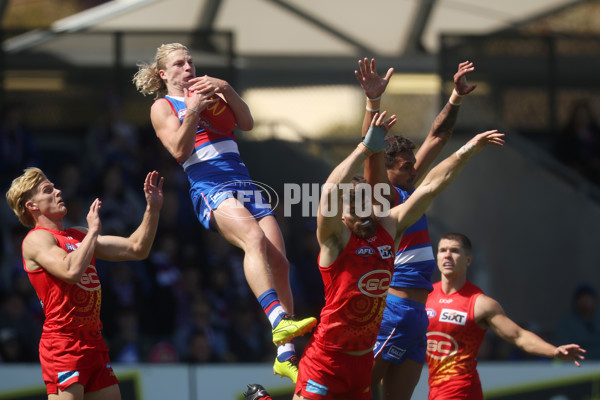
pixel 189 301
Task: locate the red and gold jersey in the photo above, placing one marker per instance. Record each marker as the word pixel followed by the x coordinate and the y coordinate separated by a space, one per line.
pixel 356 285
pixel 69 308
pixel 453 341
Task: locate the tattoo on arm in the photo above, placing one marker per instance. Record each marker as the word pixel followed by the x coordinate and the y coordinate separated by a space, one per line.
pixel 445 121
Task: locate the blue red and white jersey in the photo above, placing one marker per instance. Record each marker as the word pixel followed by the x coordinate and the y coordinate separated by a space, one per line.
pixel 415 261
pixel 215 146
pixel 356 285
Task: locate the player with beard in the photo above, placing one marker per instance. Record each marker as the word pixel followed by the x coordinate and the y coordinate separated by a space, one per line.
pixel 401 343
pixel 357 243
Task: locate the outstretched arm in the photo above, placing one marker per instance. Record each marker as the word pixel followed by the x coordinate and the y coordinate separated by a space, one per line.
pixel 406 214
pixel 330 205
pixel 489 314
pixel 137 246
pixel 374 86
pixel 443 125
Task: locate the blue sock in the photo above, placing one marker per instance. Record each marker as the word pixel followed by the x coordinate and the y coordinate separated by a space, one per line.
pixel 272 307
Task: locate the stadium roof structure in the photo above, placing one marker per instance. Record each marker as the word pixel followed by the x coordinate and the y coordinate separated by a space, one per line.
pixel 293 32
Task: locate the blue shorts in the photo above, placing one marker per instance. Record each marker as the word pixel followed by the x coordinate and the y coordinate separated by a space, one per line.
pixel 403 332
pixel 208 194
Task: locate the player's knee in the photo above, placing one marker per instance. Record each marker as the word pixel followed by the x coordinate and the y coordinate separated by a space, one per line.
pixel 255 240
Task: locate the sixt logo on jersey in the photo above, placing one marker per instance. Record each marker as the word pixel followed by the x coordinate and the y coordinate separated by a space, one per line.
pixel 365 251
pixel 453 317
pixel 375 283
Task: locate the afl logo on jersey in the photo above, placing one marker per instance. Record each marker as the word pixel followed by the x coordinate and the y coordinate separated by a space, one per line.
pixel 440 345
pixel 365 251
pixel 89 280
pixel 375 283
pixel 430 313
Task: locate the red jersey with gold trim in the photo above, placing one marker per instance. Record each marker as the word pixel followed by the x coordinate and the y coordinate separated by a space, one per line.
pixel 453 341
pixel 356 285
pixel 69 308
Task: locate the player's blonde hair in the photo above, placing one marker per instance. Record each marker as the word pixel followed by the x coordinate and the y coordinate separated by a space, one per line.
pixel 22 190
pixel 147 80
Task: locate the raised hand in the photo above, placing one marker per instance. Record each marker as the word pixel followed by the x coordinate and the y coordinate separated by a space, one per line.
pixel 93 217
pixel 479 142
pixel 461 85
pixel 488 137
pixel 386 124
pixel 369 79
pixel 374 140
pixel 153 190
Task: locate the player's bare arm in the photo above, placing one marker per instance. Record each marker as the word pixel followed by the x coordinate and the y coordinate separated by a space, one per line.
pixel 489 314
pixel 406 214
pixel 177 137
pixel 443 125
pixel 374 86
pixel 138 245
pixel 40 250
pixel 332 234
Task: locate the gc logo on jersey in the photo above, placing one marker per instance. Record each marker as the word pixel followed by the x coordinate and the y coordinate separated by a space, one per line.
pixel 89 280
pixel 375 283
pixel 430 313
pixel 453 317
pixel 365 251
pixel 440 345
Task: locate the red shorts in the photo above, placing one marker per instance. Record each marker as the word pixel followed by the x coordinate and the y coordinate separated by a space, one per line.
pixel 66 360
pixel 457 389
pixel 331 374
